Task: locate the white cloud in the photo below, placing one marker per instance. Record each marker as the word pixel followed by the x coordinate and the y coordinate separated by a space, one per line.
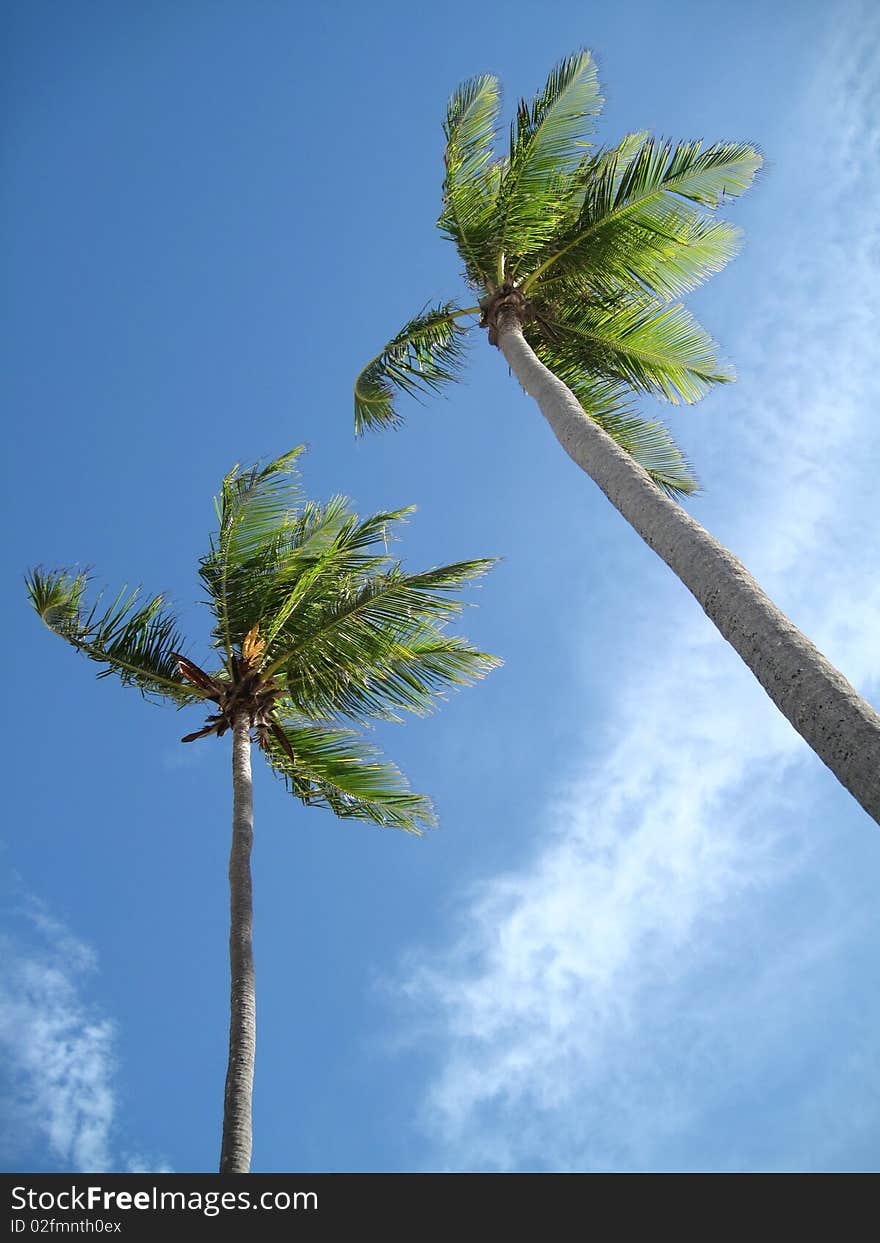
pixel 59 1051
pixel 599 997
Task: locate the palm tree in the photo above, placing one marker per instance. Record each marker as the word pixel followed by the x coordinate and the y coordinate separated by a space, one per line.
pixel 314 626
pixel 578 255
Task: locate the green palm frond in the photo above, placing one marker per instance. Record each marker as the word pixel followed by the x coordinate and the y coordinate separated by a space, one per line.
pixel 425 354
pixel 255 502
pixel 334 768
pixel 472 178
pixel 470 126
pixel 632 189
pixel 378 647
pixel 328 553
pixel 573 186
pixel 614 161
pixel 546 146
pixel 136 642
pixel 313 528
pixel 663 249
pixel 253 510
pixel 340 624
pixel 655 349
pixel 706 175
pixel 315 553
pixel 411 675
pixel 427 665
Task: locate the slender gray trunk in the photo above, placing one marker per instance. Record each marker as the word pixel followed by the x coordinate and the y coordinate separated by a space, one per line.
pixel 235 1154
pixel 823 707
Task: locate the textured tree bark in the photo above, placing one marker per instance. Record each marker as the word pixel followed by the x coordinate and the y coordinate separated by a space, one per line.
pixel 235 1154
pixel 841 727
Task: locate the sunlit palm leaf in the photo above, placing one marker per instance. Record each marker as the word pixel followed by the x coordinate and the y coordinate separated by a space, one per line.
pixel 137 643
pixel 255 502
pixel 309 542
pixel 424 355
pixel 471 181
pixel 706 175
pixel 334 768
pixel 378 647
pixel 253 508
pixel 662 249
pixel 408 676
pixel 546 144
pixel 614 161
pixel 329 549
pixel 655 349
pixel 621 190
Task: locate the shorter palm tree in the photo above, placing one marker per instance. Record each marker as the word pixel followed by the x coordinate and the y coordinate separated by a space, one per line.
pixel 315 627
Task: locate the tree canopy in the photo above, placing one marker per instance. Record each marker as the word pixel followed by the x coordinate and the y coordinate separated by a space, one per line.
pixel 316 629
pixel 598 243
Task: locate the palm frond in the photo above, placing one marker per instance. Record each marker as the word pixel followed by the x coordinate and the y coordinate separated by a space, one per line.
pixel 428 665
pixel 546 145
pixel 378 608
pixel 136 642
pixel 471 180
pixel 329 549
pixel 377 646
pixel 709 176
pixel 631 188
pixel 662 249
pixel 471 123
pixel 254 502
pixel 425 354
pixel 654 348
pixel 334 768
pixel 412 675
pixel 314 526
pixel 570 190
pixel 254 508
pixel 614 161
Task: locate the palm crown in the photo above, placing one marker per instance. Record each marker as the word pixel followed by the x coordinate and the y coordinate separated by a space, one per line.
pixel 315 626
pixel 593 244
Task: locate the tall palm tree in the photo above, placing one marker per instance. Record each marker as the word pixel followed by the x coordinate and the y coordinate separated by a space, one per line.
pixel 577 255
pixel 314 625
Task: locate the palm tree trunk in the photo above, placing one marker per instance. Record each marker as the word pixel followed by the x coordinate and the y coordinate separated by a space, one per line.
pixel 235 1154
pixel 823 707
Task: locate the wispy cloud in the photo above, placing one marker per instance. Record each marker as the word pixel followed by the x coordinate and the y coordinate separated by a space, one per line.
pixel 59 1052
pixel 609 1003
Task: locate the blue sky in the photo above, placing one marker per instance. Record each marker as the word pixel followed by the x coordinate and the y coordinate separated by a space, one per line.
pixel 646 935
